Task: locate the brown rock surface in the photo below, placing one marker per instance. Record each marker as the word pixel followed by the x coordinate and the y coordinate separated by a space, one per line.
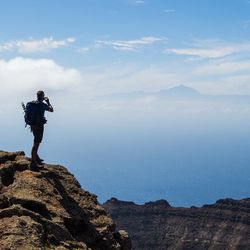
pixel 157 225
pixel 49 210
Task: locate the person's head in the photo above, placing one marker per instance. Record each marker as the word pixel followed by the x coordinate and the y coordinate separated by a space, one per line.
pixel 40 95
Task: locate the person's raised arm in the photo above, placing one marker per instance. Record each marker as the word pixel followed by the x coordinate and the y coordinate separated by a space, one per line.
pixel 50 107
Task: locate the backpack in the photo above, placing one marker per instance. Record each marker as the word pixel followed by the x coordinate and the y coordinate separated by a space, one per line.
pixel 32 114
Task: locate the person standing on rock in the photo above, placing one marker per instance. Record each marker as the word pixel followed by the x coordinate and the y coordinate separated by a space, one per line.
pixel 37 126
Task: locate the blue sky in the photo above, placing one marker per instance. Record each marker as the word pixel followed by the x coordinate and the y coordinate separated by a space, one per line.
pixel 143 45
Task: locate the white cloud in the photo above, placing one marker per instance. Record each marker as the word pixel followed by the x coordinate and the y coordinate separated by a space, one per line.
pixel 169 11
pixel 204 53
pixel 91 47
pixel 20 76
pixel 84 49
pixel 219 67
pixel 136 2
pixel 33 46
pixel 128 45
pixel 236 84
pixel 211 49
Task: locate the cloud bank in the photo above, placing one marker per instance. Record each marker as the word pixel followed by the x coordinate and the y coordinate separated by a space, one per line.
pixel 21 76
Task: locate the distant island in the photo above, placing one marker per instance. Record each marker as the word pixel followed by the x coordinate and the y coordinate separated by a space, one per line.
pixel 179 92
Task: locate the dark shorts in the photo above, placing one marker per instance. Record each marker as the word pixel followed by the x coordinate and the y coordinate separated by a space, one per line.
pixel 38 133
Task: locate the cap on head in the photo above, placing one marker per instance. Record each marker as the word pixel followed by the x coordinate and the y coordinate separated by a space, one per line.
pixel 40 94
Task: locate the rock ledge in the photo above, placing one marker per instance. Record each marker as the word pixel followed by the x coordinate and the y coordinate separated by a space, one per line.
pixel 48 209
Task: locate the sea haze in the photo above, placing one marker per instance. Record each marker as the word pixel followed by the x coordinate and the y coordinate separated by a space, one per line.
pixel 187 151
pixel 178 145
pixel 188 160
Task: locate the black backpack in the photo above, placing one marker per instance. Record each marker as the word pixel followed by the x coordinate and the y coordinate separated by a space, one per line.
pixel 32 114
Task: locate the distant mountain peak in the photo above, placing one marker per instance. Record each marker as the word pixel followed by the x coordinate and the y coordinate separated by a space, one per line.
pixel 183 87
pixel 180 90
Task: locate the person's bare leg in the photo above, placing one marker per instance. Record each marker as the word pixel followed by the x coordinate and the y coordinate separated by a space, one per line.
pixel 34 155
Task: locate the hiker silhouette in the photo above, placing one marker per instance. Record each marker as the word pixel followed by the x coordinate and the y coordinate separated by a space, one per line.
pixel 34 117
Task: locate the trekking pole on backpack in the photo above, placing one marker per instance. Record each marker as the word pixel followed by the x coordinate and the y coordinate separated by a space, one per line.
pixel 24 111
pixel 23 106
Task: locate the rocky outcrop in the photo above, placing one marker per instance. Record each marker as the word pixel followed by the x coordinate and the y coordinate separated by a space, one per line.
pixel 48 209
pixel 157 225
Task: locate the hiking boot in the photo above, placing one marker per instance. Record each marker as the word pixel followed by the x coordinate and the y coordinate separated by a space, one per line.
pixel 39 162
pixel 33 166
